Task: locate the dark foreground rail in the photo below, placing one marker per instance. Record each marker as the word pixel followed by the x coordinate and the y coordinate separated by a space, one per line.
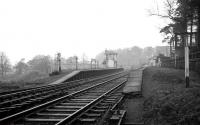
pixel 15 102
pixel 81 76
pixel 55 111
pixel 99 113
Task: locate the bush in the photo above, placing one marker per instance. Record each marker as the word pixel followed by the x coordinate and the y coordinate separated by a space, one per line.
pixel 181 107
pixel 54 73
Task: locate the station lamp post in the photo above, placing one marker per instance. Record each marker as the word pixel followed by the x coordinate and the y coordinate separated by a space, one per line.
pixel 186 56
pixel 76 59
pixel 59 61
pixel 187 80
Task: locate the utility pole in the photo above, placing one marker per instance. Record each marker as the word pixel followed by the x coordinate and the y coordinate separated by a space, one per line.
pixel 187 80
pixel 175 59
pixel 175 44
pixel 91 63
pixel 95 63
pixel 2 67
pixel 76 58
pixel 59 61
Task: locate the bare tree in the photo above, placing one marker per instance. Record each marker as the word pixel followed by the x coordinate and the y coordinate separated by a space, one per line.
pixel 21 67
pixel 168 12
pixel 41 63
pixel 4 64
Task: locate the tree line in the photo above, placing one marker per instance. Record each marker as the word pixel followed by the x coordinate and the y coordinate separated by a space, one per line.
pixel 39 63
pixel 184 19
pixel 135 56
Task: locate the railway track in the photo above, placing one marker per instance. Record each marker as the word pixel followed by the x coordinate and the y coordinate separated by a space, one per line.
pixel 66 93
pixel 99 113
pixel 26 90
pixel 15 102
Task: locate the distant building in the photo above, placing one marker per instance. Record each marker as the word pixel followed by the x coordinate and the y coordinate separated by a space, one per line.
pixel 110 59
pixel 165 50
pixel 152 61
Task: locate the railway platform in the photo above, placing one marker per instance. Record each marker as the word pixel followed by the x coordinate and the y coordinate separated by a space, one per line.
pixel 64 78
pixel 133 100
pixel 85 74
pixel 134 83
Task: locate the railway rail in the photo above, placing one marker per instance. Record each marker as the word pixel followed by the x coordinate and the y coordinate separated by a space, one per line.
pixel 14 102
pixel 66 94
pixel 14 92
pixel 100 113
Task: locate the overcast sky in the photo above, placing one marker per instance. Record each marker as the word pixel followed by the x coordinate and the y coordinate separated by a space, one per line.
pixel 74 27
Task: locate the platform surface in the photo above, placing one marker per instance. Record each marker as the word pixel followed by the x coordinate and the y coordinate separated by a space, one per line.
pixel 134 82
pixel 64 78
pixel 133 102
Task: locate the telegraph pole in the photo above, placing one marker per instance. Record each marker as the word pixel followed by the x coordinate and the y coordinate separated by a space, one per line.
pixel 175 59
pixel 95 63
pixel 91 63
pixel 59 61
pixel 76 58
pixel 187 80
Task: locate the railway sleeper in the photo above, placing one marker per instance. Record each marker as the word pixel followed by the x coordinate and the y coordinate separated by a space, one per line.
pixel 117 117
pixel 87 120
pixel 18 100
pixel 108 101
pixel 111 99
pixel 88 97
pixel 101 111
pixel 101 107
pixel 5 111
pixel 68 107
pixel 96 111
pixel 53 114
pixel 91 115
pixel 62 110
pixel 47 116
pixel 39 120
pixel 73 104
pixel 82 100
pixel 103 104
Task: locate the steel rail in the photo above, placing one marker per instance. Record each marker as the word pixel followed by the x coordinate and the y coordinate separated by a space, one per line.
pixel 32 99
pixel 53 85
pixel 75 114
pixel 118 102
pixel 8 119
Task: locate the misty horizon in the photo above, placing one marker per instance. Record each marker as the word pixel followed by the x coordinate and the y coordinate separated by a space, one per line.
pixel 30 28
